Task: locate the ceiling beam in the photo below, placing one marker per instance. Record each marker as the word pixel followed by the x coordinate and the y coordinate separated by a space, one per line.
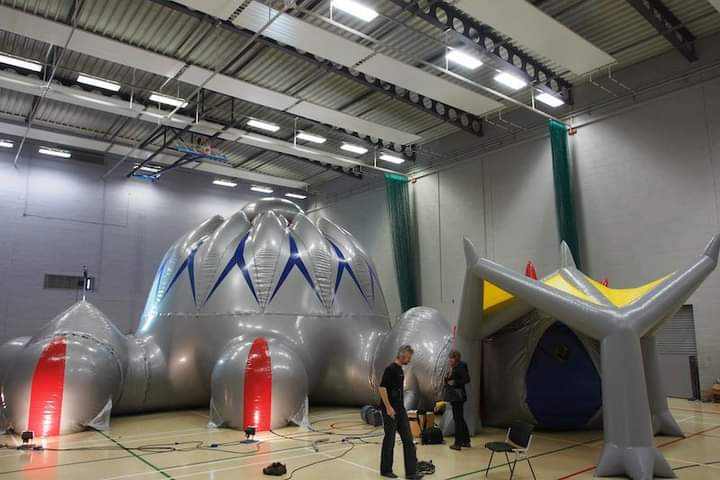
pixel 459 118
pixel 468 31
pixel 668 25
pixel 32 86
pixel 106 148
pixel 87 43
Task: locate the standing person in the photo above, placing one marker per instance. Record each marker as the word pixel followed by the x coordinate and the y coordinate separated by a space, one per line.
pixel 458 376
pixel 395 418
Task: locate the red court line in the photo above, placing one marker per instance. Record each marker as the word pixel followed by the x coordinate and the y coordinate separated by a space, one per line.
pixel 46 392
pixel 695 411
pixel 258 386
pixel 575 474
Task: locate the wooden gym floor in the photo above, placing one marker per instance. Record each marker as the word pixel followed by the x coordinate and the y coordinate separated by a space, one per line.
pixel 140 448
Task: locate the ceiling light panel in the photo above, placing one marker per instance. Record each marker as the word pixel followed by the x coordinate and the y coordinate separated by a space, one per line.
pixel 296 196
pixel 333 117
pixel 56 33
pixel 425 83
pixel 309 137
pixel 313 39
pixel 464 58
pixel 549 100
pixel 516 83
pixel 357 149
pixel 98 82
pixel 23 63
pixel 530 27
pixel 356 9
pixel 303 35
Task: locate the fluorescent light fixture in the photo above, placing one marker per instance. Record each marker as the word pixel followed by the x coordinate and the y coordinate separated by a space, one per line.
pixel 349 147
pixel 165 100
pixel 270 127
pixel 257 188
pixel 296 195
pixel 516 83
pixel 225 183
pixel 6 143
pixel 98 82
pixel 464 59
pixel 550 100
pixel 356 9
pixel 308 137
pixel 391 158
pixel 20 62
pixel 149 168
pixel 54 152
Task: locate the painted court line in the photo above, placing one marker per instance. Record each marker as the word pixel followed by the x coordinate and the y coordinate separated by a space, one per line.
pixel 141 474
pixel 671 442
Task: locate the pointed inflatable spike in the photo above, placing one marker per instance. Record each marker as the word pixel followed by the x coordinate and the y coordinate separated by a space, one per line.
pixel 530 271
pixel 566 256
pixel 471 256
pixel 605 282
pixel 712 248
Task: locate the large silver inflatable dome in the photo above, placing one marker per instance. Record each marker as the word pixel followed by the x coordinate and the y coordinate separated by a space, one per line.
pixel 253 315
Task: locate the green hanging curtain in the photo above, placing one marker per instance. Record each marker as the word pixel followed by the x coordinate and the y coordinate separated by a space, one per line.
pixel 562 176
pixel 398 204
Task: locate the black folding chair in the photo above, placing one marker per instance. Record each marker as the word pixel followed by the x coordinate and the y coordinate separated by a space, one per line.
pixel 517 441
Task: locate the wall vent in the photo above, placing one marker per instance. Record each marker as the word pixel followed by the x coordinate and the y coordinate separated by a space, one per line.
pixel 67 282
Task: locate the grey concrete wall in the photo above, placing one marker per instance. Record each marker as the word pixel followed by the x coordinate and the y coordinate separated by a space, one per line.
pixel 502 201
pixel 648 193
pixel 56 216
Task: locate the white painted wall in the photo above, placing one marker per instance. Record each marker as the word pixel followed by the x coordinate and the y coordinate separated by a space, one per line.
pixel 56 216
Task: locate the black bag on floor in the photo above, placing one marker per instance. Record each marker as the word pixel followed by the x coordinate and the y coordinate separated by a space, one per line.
pixel 371 415
pixel 431 436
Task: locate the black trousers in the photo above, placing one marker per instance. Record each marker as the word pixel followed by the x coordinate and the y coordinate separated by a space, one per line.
pixel 400 424
pixel 462 434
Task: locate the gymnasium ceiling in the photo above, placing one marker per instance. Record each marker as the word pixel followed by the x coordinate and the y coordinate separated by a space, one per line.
pixel 384 85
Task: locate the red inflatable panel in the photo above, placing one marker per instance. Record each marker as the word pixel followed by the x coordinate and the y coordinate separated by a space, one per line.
pixel 46 394
pixel 258 386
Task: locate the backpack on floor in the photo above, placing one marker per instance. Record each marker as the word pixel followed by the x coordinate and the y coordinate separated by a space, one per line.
pixel 431 435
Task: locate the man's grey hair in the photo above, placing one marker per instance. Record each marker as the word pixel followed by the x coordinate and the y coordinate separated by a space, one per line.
pixel 405 349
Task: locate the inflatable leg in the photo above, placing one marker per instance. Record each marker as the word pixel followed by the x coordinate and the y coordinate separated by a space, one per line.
pixel 629 446
pixel 67 377
pixel 258 382
pixel 662 420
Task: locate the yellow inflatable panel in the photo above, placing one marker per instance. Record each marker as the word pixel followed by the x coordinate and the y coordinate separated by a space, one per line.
pixel 621 297
pixel 558 281
pixel 493 295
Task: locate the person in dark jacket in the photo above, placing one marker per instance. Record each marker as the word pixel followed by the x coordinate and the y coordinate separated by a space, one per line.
pixel 458 376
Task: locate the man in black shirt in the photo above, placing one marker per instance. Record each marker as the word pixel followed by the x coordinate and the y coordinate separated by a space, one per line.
pixel 395 417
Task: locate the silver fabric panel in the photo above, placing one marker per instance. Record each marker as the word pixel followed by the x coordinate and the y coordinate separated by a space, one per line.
pixel 210 253
pixel 265 247
pixel 316 253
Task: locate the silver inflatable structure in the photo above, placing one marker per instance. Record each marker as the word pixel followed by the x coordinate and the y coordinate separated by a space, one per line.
pixel 258 314
pixel 623 321
pixel 252 315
